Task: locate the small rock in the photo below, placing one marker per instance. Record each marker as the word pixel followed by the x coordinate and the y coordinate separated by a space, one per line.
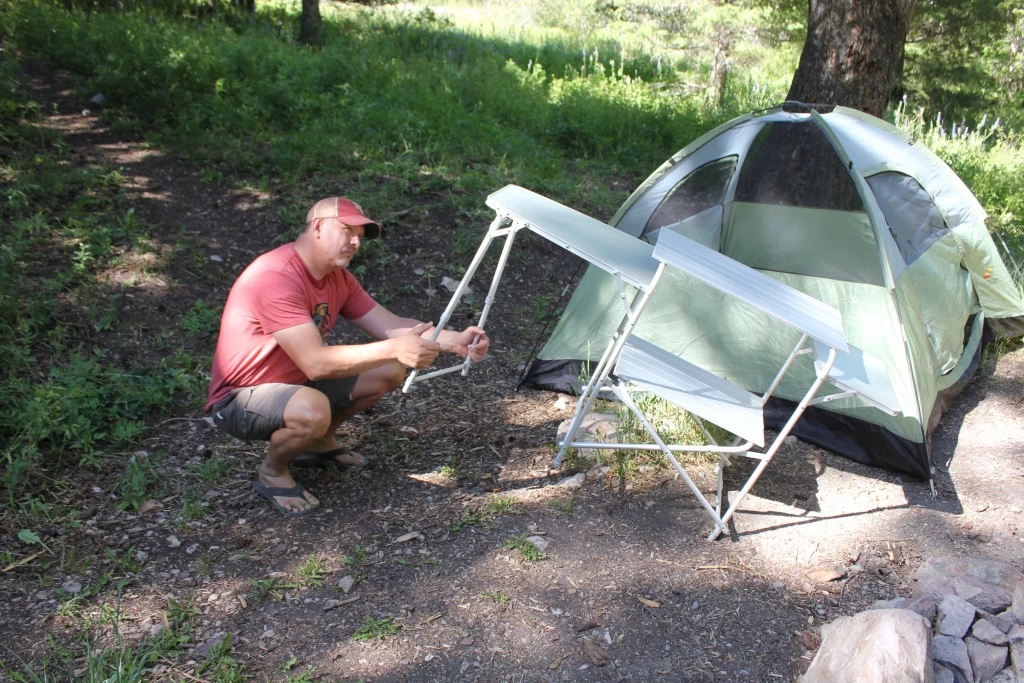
pixel 346 583
pixel 173 541
pixel 1016 638
pixel 985 596
pixel 451 285
pixel 941 674
pixel 1017 608
pixel 204 649
pixel 987 584
pixel 955 616
pixel 539 541
pixel 952 653
pixel 1004 621
pixel 923 605
pixel 574 482
pixel 987 660
pixel 72 587
pixel 141 556
pixel 216 259
pixel 1004 676
pixel 191 549
pixel 595 427
pixel 987 632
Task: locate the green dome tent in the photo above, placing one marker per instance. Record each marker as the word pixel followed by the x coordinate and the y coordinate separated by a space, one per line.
pixel 845 208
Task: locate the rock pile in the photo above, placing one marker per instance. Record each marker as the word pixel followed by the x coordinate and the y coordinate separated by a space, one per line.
pixel 964 623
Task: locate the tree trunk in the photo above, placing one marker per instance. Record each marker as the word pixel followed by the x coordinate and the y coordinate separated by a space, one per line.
pixel 310 23
pixel 248 7
pixel 853 52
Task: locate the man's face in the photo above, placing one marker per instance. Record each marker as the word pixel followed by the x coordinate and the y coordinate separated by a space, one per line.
pixel 340 242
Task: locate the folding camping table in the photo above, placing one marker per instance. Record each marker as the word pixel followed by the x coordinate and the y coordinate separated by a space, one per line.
pixel 628 259
pixel 631 364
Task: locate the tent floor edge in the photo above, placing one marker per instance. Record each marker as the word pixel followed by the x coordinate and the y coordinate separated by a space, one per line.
pixel 860 441
pixel 563 376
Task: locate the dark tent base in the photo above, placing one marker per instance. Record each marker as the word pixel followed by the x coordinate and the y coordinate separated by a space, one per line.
pixel 562 376
pixel 863 442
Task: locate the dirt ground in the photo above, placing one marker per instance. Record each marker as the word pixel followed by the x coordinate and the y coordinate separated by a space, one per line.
pixel 627 589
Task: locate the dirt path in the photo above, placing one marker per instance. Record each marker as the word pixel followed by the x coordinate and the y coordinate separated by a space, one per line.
pixel 628 588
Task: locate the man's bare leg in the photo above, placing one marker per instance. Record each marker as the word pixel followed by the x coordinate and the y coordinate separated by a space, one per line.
pixel 368 390
pixel 307 417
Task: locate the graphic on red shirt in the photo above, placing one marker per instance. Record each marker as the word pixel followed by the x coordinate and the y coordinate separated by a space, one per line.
pixel 321 319
pixel 274 293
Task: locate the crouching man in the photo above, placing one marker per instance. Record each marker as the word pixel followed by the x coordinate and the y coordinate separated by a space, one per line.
pixel 273 377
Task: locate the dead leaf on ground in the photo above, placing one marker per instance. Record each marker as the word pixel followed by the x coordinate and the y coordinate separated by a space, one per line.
pixel 408 537
pixel 649 603
pixel 809 639
pixel 823 573
pixel 895 553
pixel 597 654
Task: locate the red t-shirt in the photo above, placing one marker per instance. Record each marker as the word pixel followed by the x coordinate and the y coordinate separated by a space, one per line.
pixel 274 293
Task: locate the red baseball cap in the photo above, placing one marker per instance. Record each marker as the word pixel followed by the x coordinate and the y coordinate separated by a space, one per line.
pixel 346 211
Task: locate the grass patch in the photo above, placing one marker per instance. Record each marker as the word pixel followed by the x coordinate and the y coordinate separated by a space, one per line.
pixel 376 628
pixel 526 550
pixel 312 571
pixel 497 595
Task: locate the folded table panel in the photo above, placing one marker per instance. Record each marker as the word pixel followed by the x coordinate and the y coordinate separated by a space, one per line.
pixel 599 243
pixel 805 313
pixel 694 389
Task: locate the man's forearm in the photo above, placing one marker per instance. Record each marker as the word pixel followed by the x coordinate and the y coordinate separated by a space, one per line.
pixel 347 360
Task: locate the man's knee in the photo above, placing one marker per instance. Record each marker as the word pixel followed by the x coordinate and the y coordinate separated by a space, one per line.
pixel 379 381
pixel 396 376
pixel 308 411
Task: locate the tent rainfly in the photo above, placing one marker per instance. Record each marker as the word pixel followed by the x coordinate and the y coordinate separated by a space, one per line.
pixel 846 208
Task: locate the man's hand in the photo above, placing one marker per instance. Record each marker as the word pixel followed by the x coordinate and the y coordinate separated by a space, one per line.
pixel 472 342
pixel 413 351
